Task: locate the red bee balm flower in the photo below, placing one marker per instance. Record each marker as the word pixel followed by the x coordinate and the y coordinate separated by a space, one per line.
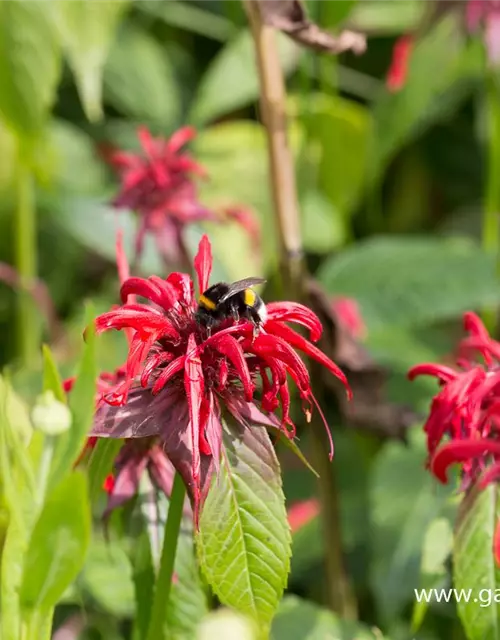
pixel 466 412
pixel 398 70
pixel 178 379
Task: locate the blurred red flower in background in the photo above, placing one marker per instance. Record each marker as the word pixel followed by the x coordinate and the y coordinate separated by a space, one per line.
pixel 159 184
pixel 398 69
pixel 485 14
pixel 464 420
pixel 348 315
pixel 178 379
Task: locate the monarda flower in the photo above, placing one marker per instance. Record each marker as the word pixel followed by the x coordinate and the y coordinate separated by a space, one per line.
pixel 179 381
pixel 400 62
pixel 160 186
pixel 464 420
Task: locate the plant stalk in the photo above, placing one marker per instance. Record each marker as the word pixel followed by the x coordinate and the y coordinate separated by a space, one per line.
pixel 157 623
pixel 286 208
pixel 491 211
pixel 27 325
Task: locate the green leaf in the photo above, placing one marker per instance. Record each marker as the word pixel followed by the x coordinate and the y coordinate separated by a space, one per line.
pixel 474 565
pixel 341 129
pixel 29 65
pixel 51 377
pixel 101 464
pixel 426 97
pixel 244 538
pixel 106 579
pixel 438 544
pixel 82 405
pixel 58 544
pixel 87 30
pixel 231 81
pixel 188 599
pixel 404 500
pixel 403 281
pixel 225 624
pixel 139 79
pixel 386 17
pixel 229 151
pixel 298 619
pixel 323 228
pixel 144 581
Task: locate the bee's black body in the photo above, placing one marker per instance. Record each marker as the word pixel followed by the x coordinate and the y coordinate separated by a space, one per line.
pixel 236 300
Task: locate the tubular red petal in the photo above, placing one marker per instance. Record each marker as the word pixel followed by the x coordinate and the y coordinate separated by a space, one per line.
pixel 272 345
pixel 141 287
pixel 230 347
pixel 183 285
pixel 460 451
pixel 152 363
pixel 429 369
pixel 147 142
pixel 203 263
pixel 475 326
pixel 168 293
pixel 286 421
pixel 121 260
pixel 179 139
pixel 168 372
pixel 194 385
pixel 298 313
pixel 297 341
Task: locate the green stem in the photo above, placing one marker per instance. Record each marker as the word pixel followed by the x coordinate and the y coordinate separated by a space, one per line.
pixel 26 259
pixel 157 629
pixel 44 468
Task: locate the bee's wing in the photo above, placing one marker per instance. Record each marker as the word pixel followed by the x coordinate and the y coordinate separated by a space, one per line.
pixel 241 285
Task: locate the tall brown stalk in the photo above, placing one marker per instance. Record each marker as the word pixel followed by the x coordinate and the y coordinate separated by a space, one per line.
pixel 286 208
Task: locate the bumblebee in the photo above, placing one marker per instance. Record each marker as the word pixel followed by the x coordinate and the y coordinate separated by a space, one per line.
pixel 236 300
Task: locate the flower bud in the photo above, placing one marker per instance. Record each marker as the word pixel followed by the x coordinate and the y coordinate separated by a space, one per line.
pixel 50 416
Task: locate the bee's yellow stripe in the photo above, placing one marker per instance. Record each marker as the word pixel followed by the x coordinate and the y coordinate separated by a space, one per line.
pixel 207 303
pixel 249 297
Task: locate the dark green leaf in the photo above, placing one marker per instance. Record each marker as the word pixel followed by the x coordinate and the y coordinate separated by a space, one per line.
pixel 51 377
pixel 474 565
pixel 298 619
pixel 87 30
pixel 244 538
pixel 82 405
pixel 139 79
pixel 58 544
pixel 402 281
pixel 231 80
pixel 29 65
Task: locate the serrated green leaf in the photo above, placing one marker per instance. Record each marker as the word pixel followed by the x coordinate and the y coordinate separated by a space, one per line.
pixel 82 406
pixel 474 565
pixel 29 65
pixel 231 80
pixel 425 97
pixel 87 30
pixel 299 619
pixel 244 538
pixel 404 500
pixel 139 79
pixel 401 281
pixel 57 545
pixel 51 377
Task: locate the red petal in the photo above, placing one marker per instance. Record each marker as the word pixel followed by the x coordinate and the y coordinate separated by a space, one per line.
pixel 213 431
pixel 301 513
pixel 121 260
pixel 154 289
pixel 396 76
pixel 276 347
pixel 147 142
pixel 180 138
pixel 429 369
pixel 169 372
pixel 297 341
pixel 475 326
pixel 194 386
pixel 295 312
pixel 183 284
pixel 460 451
pixel 203 263
pixel 231 348
pixel 151 364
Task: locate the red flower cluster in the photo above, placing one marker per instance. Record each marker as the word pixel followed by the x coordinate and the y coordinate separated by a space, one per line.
pixel 159 185
pixel 486 14
pixel 465 414
pixel 178 379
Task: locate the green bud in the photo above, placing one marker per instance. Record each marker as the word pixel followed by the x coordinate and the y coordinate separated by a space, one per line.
pixel 50 416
